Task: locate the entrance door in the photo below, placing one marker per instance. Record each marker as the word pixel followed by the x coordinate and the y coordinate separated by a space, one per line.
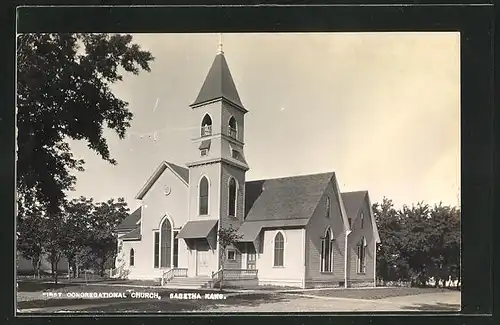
pixel 202 259
pixel 251 257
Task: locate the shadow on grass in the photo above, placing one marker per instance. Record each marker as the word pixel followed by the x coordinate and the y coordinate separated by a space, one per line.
pixel 164 305
pixel 435 307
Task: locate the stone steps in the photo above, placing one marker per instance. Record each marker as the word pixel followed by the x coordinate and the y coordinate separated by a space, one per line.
pixel 188 283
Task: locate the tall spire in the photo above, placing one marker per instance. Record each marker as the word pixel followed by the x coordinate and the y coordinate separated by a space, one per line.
pixel 220 51
pixel 219 83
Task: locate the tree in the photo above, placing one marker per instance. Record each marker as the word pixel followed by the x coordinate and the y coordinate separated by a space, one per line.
pixel 30 234
pixel 226 237
pixel 63 92
pixel 76 229
pixel 102 242
pixel 390 265
pixel 445 236
pixel 53 227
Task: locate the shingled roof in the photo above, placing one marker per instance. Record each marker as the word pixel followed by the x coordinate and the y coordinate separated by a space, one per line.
pixel 218 84
pixel 353 201
pixel 131 221
pixel 133 235
pixel 181 171
pixel 285 198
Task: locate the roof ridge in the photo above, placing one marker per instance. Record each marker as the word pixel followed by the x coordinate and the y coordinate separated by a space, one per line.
pixel 287 177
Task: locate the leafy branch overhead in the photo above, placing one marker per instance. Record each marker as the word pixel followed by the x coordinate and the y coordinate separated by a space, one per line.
pixel 63 83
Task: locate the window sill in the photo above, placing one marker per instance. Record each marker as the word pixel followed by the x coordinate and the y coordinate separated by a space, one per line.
pixel 326 272
pixel 361 273
pixel 278 267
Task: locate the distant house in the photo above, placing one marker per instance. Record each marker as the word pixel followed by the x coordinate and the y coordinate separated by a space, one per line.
pixel 295 231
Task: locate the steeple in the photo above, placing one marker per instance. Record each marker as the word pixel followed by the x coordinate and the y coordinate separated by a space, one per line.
pixel 218 84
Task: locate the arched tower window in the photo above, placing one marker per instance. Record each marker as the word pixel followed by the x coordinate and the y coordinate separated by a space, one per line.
pixel 327 252
pixel 203 205
pixel 279 249
pixel 166 243
pixel 232 130
pixel 206 126
pixel 232 197
pixel 132 257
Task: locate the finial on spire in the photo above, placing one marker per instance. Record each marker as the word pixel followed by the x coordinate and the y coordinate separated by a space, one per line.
pixel 220 44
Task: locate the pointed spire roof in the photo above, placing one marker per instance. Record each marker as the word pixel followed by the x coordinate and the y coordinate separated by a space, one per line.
pixel 218 84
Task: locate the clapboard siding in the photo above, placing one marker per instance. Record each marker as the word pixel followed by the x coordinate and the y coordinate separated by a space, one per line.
pixel 316 229
pixel 234 264
pixel 353 240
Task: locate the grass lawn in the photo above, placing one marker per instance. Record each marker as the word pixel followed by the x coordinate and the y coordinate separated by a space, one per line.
pixel 34 295
pixel 371 293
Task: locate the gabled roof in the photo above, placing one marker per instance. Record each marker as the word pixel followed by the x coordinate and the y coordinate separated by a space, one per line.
pixel 285 198
pixel 181 172
pixel 133 235
pixel 218 84
pixel 353 202
pixel 131 221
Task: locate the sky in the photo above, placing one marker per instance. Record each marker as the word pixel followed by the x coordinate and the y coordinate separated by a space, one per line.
pixel 382 110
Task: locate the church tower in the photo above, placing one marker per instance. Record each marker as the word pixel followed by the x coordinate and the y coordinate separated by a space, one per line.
pixel 218 166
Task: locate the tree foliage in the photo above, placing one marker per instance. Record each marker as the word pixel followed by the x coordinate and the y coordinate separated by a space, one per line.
pixel 418 242
pixel 81 231
pixel 226 237
pixel 63 92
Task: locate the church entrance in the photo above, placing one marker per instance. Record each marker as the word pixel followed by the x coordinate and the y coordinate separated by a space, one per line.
pixel 203 257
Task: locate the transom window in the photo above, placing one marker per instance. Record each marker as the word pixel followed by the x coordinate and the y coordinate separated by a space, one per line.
pixel 132 257
pixel 327 252
pixel 232 130
pixel 279 249
pixel 206 126
pixel 203 199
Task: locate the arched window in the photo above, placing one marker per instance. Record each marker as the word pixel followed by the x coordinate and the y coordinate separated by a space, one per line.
pixel 232 131
pixel 328 206
pixel 361 256
pixel 206 126
pixel 232 197
pixel 203 205
pixel 131 261
pixel 279 249
pixel 327 252
pixel 165 243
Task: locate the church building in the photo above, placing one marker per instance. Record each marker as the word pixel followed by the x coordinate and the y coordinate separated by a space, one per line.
pixel 298 231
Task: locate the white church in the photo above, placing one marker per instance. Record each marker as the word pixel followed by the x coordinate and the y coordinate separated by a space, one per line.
pixel 298 231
